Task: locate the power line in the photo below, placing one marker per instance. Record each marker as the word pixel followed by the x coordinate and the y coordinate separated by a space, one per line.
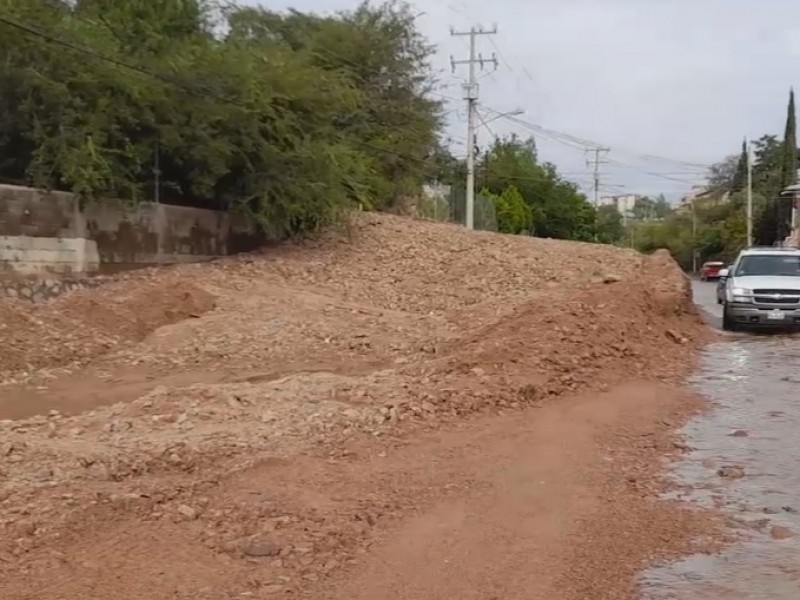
pixel 589 144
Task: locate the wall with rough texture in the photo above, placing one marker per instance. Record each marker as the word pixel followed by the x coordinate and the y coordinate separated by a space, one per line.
pixel 39 290
pixel 49 232
pixel 38 256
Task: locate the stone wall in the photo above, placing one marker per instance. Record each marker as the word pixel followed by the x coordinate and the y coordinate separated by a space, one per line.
pixel 40 290
pixel 49 233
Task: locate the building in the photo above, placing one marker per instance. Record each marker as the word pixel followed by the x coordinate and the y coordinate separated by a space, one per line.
pixel 702 196
pixel 623 203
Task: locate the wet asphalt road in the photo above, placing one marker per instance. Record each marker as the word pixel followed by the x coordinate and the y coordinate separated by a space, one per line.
pixel 754 381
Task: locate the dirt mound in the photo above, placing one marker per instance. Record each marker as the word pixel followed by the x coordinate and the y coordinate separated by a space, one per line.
pixel 314 348
pixel 80 326
pixel 590 335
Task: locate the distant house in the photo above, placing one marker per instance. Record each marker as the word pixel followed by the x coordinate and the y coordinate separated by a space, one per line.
pixel 702 197
pixel 623 203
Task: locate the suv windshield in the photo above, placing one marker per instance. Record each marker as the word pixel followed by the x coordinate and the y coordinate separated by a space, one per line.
pixel 768 264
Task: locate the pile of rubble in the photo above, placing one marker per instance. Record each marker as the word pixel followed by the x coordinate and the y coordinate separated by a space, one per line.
pixel 404 324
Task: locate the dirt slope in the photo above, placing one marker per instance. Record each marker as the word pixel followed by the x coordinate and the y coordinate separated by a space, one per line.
pixel 177 394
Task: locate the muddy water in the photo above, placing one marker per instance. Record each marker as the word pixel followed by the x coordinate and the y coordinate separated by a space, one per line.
pixel 755 384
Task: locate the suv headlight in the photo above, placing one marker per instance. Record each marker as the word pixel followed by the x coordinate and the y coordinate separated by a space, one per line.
pixel 740 294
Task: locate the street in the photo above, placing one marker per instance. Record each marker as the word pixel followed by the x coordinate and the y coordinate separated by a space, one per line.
pixel 743 462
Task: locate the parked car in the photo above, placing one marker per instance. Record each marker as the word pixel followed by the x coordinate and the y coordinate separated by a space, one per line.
pixel 763 290
pixel 710 270
pixel 723 276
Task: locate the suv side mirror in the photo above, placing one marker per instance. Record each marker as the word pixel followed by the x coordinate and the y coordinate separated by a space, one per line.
pixel 723 274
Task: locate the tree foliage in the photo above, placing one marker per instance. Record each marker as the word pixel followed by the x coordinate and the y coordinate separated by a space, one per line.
pixel 776 167
pixel 557 209
pixel 610 228
pixel 513 214
pixel 718 228
pixel 649 209
pixel 288 117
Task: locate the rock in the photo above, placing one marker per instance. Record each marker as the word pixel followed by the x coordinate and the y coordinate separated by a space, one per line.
pixel 273 589
pixel 611 279
pixel 187 511
pixel 261 548
pixel 352 414
pixel 739 433
pixel 28 527
pixel 676 337
pixel 781 533
pixel 428 407
pixel 731 472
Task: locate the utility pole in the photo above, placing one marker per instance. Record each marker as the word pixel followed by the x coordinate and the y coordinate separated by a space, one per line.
pixel 471 96
pixel 597 162
pixel 749 194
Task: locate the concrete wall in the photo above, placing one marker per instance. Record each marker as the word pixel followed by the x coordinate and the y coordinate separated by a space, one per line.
pixel 48 233
pixel 40 290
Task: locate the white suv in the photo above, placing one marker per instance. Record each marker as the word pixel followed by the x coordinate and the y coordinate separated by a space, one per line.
pixel 762 289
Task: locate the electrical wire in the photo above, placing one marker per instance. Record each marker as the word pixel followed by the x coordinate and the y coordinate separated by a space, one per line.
pixel 589 144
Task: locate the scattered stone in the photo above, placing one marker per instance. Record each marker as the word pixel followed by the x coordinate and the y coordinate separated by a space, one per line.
pixel 676 337
pixel 261 548
pixel 187 511
pixel 780 532
pixel 611 279
pixel 739 433
pixel 273 589
pixel 731 472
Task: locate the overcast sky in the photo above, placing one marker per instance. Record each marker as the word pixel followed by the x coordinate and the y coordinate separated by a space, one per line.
pixel 681 79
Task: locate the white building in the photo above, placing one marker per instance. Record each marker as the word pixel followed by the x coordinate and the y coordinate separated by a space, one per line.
pixel 624 203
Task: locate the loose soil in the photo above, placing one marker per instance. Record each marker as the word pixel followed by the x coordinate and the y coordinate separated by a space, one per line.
pixel 409 411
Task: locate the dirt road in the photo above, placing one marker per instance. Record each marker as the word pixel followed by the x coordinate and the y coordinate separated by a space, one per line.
pixel 417 412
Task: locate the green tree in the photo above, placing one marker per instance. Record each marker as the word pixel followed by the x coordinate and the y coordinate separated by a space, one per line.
pixel 722 175
pixel 289 118
pixel 646 208
pixel 610 228
pixel 739 181
pixel 557 207
pixel 775 168
pixel 513 214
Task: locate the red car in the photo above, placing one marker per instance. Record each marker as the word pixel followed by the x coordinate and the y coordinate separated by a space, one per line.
pixel 710 270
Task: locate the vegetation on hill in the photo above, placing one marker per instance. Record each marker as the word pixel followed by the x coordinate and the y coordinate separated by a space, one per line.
pixel 289 117
pixel 718 228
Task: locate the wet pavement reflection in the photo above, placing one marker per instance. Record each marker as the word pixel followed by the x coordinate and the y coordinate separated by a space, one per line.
pixel 746 461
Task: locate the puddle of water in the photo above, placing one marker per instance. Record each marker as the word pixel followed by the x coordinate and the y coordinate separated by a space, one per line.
pixel 754 383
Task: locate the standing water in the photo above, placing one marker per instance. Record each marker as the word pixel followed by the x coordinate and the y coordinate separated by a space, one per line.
pixel 754 429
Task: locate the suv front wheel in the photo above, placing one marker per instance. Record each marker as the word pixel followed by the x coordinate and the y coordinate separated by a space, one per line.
pixel 728 324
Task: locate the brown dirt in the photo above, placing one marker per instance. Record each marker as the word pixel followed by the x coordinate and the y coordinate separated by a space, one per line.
pixel 368 417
